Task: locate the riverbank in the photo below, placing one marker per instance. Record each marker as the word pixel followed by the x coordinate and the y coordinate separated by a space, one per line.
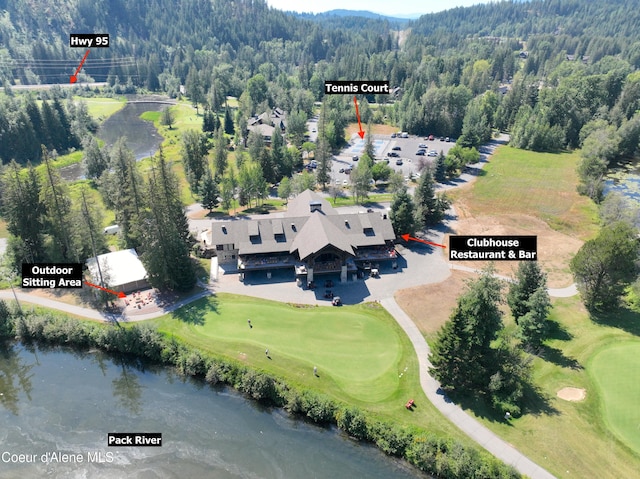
pixel 427 450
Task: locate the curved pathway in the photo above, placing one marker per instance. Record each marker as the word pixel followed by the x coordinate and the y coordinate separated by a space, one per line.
pixel 100 315
pixel 469 425
pixel 567 292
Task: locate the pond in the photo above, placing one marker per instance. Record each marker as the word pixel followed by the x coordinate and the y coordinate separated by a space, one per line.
pixel 57 402
pixel 142 136
pixel 624 178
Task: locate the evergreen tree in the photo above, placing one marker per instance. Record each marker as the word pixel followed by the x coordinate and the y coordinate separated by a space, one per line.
pixel 23 210
pixel 402 214
pixel 323 157
pixel 209 192
pixel 66 134
pixel 229 128
pixel 431 208
pixel 440 169
pixel 122 190
pixel 534 326
pixel 529 277
pixel 95 160
pixel 87 234
pixel 462 357
pixel 57 219
pixel 166 250
pixel 210 121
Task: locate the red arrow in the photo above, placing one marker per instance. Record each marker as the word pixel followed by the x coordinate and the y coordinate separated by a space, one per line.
pixel 74 77
pixel 361 133
pixel 408 238
pixel 119 295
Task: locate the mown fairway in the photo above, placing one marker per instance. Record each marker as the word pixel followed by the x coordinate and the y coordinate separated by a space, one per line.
pixel 362 355
pixel 616 372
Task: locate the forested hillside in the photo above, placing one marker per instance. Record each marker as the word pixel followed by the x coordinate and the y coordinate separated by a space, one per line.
pixel 543 70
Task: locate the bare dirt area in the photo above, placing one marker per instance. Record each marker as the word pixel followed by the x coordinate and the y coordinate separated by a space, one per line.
pixel 555 249
pixel 572 394
pixel 430 305
pixel 375 129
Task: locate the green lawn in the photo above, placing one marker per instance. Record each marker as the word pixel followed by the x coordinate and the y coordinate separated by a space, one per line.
pixel 539 184
pixel 616 372
pixel 362 355
pixel 102 108
pixel 573 439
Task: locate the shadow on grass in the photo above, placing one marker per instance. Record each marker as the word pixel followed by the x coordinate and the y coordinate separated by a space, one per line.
pixel 557 357
pixel 535 402
pixel 260 210
pixel 621 317
pixel 557 331
pixel 195 313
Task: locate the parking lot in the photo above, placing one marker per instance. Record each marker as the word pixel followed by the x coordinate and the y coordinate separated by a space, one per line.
pixel 405 148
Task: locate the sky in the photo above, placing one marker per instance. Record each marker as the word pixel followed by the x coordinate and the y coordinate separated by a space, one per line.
pixel 385 7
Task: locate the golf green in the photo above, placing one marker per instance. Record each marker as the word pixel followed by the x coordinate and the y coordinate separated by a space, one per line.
pixel 616 371
pixel 356 349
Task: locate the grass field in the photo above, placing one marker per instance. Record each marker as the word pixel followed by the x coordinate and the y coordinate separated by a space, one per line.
pixel 362 355
pixel 530 183
pixel 528 190
pixel 572 439
pixel 616 373
pixel 102 108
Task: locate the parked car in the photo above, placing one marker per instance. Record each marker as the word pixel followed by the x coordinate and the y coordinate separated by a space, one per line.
pixel 345 183
pixel 341 170
pixel 393 135
pixel 396 148
pixel 421 153
pixel 399 161
pixel 355 158
pixel 313 164
pixel 422 145
pixel 447 139
pixel 442 138
pixel 393 154
pixel 347 171
pixel 433 153
pixel 430 137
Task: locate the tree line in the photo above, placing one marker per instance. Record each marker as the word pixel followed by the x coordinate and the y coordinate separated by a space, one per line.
pixel 49 223
pixel 25 125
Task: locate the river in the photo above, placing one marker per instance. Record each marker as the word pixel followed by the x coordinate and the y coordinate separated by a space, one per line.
pixel 142 136
pixel 61 402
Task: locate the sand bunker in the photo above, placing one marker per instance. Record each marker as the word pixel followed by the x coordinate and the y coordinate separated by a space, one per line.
pixel 572 394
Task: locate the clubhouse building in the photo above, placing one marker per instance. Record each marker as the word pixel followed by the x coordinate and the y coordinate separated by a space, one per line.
pixel 312 239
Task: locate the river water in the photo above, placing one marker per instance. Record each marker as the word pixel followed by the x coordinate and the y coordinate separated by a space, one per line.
pixel 65 403
pixel 142 137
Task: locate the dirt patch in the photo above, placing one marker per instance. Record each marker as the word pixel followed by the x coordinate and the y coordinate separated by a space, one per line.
pixel 375 129
pixel 555 249
pixel 572 394
pixel 430 305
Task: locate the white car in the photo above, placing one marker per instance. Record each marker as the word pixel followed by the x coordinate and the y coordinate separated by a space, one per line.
pixel 345 183
pixel 433 153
